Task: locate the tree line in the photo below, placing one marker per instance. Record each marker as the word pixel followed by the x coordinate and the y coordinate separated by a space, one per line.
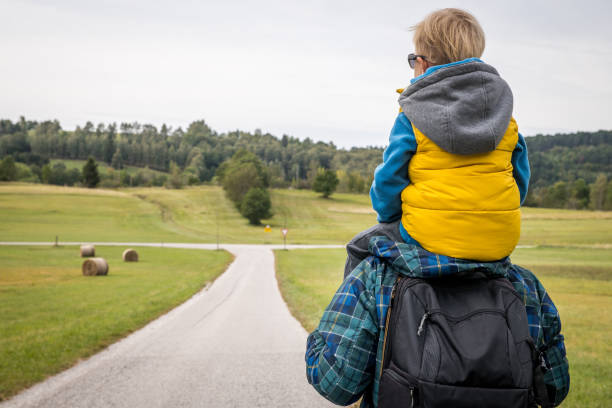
pixel 197 151
pixel 571 170
pixel 567 169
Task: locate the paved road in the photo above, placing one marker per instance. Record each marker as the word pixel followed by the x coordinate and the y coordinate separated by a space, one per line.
pixel 234 344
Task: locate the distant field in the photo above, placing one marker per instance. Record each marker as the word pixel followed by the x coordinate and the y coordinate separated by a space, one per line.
pixel 194 212
pixel 51 315
pixel 39 212
pixel 578 281
pixel 103 168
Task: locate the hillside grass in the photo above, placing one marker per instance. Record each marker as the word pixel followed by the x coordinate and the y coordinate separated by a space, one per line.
pixel 51 315
pixel 42 212
pixel 578 281
pixel 104 168
pixel 33 212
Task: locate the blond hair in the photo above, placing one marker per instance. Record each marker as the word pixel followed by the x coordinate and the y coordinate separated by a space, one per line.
pixel 449 35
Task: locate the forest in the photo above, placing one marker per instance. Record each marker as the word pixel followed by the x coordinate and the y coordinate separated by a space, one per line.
pixel 568 170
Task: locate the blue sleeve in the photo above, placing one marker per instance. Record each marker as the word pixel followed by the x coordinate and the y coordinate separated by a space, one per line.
pixel 520 163
pixel 341 352
pixel 391 176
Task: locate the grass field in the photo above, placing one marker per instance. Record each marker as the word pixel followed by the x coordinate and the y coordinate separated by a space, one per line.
pixel 103 168
pixel 51 315
pixel 38 213
pixel 578 280
pixel 573 257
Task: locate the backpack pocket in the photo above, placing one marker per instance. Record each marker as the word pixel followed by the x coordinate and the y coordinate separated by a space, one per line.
pixel 396 389
pixel 475 349
pixel 443 396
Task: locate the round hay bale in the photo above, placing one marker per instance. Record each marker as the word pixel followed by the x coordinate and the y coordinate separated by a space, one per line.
pixel 95 267
pixel 87 251
pixel 130 255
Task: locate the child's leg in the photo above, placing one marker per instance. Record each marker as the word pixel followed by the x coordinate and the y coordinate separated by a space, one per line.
pixel 357 248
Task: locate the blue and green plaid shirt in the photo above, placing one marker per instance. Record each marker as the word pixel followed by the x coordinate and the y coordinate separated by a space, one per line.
pixel 343 355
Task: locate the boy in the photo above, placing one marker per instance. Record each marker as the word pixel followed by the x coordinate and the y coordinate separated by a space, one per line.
pixel 456 169
pixel 450 188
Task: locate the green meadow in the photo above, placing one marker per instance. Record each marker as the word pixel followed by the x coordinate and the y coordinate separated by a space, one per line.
pixel 31 212
pixel 51 315
pixel 43 293
pixel 103 168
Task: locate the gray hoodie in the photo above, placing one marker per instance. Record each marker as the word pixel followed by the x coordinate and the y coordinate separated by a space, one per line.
pixel 463 108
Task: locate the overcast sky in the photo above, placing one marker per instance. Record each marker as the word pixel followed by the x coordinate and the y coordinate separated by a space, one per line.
pixel 321 69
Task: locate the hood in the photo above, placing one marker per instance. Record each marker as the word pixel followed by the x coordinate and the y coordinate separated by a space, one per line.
pixel 416 262
pixel 464 108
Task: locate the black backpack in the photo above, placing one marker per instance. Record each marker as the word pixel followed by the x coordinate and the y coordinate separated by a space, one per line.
pixel 458 342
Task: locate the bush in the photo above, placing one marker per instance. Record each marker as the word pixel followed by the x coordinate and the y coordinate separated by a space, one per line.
pixel 256 205
pixel 325 182
pixel 160 180
pixel 176 179
pixel 125 179
pixel 8 170
pixel 108 182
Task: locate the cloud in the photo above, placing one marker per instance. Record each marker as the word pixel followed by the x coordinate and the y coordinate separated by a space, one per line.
pixel 325 70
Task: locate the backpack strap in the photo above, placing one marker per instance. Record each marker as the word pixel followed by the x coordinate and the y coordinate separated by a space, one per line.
pixel 539 387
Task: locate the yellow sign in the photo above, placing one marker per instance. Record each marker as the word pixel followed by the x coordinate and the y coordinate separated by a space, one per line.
pixel 267 228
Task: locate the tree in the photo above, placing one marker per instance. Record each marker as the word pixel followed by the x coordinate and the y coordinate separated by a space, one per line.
pixel 91 178
pixel 117 161
pixel 598 192
pixel 46 173
pixel 241 173
pixel 176 179
pixel 125 179
pixel 241 158
pixel 256 205
pixel 325 182
pixel 555 196
pixel 73 176
pixel 8 170
pixel 58 174
pixel 109 142
pixel 239 180
pixel 579 195
pixel 608 202
pixel 356 183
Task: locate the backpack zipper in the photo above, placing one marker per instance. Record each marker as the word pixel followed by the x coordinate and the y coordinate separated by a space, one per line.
pixel 422 324
pixel 387 325
pixel 399 378
pixel 429 313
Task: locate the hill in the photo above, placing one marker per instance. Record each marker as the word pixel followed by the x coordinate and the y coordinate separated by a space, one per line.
pixel 30 212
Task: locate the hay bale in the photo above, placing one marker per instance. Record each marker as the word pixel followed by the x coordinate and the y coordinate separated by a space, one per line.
pixel 129 255
pixel 87 251
pixel 95 267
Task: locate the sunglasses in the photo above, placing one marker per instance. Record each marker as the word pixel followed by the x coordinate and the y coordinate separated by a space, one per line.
pixel 412 59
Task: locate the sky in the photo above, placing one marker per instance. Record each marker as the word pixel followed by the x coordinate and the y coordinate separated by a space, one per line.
pixel 327 70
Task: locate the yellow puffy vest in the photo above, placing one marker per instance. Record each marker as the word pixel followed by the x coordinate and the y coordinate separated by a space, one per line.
pixel 464 206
